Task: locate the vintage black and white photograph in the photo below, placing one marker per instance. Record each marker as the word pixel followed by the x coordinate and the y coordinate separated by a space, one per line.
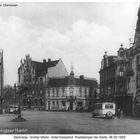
pixel 70 68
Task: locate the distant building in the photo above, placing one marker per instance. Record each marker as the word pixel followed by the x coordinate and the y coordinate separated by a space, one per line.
pixel 71 93
pixel 35 76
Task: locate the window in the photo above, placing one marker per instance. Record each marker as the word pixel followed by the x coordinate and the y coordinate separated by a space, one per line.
pixel 63 91
pixel 71 89
pixel 55 92
pixel 85 92
pixel 121 72
pixel 60 92
pixel 120 88
pixel 53 103
pixel 95 93
pixel 48 93
pixel 137 60
pixel 128 83
pixel 40 102
pixel 36 102
pixel 108 106
pixel 51 93
pixel 83 89
pixel 138 79
pixel 80 92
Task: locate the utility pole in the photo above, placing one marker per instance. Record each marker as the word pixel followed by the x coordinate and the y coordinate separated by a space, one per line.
pixel 19 104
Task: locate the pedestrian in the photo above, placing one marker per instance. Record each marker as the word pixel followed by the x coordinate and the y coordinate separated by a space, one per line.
pixel 119 113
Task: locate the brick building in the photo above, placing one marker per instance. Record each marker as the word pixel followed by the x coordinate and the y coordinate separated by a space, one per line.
pixel 35 76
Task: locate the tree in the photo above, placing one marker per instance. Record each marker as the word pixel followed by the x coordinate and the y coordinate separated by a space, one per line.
pixel 9 96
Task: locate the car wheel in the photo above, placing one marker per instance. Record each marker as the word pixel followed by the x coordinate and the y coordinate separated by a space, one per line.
pixel 109 114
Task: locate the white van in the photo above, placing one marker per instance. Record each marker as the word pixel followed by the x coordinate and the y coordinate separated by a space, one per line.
pixel 105 109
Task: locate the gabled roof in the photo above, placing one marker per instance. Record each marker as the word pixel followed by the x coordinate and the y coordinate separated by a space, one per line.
pixel 43 66
pixel 58 82
pixel 86 82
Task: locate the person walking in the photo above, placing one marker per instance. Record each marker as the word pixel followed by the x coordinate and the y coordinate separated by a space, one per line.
pixel 119 113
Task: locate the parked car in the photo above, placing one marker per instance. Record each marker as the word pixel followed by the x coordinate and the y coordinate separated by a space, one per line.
pixel 105 109
pixel 13 109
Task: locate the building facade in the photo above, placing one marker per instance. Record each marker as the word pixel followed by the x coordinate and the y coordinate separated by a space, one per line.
pixel 115 80
pixel 71 93
pixel 136 67
pixel 35 75
pixel 126 81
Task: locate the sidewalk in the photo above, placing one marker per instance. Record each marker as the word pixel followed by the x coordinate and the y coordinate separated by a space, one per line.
pixel 129 117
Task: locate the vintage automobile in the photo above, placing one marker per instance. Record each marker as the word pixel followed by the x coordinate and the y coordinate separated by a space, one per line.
pixel 105 109
pixel 13 109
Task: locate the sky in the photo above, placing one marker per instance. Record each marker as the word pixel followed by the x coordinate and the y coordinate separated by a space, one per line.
pixel 79 33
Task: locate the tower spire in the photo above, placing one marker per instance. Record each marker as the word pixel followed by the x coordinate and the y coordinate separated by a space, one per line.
pixel 72 72
pixel 138 21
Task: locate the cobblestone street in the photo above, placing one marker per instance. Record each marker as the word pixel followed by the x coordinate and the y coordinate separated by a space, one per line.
pixel 41 122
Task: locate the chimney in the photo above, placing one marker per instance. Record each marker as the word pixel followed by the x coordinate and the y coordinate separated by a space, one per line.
pixel 49 60
pixel 44 60
pixel 82 77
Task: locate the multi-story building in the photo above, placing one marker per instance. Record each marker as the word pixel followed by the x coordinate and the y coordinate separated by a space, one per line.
pixel 126 76
pixel 136 67
pixel 34 75
pixel 71 93
pixel 107 77
pixel 115 76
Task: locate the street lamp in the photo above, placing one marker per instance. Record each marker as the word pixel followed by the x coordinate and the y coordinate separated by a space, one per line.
pixel 15 88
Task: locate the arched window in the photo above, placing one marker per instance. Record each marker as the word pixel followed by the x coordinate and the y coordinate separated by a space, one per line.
pixel 137 60
pixel 36 102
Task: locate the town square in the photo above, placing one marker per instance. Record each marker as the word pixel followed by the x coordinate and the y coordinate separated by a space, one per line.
pixel 70 68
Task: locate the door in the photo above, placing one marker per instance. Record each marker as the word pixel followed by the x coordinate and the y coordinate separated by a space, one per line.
pixel 29 103
pixel 71 105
